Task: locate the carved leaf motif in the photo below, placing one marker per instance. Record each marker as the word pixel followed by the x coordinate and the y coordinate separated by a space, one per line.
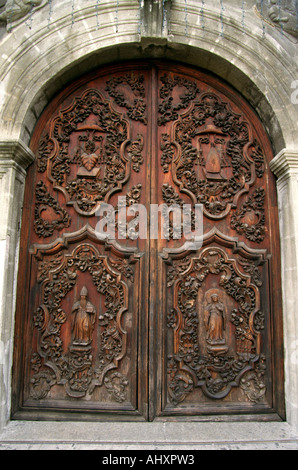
pixel 253 384
pixel 167 152
pixel 167 109
pixel 180 383
pixel 135 153
pixel 250 218
pixel 282 13
pixel 45 149
pixel 136 108
pixel 88 173
pixel 44 201
pixel 115 384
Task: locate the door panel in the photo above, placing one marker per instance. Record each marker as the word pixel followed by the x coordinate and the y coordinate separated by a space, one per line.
pixel 83 350
pixel 215 307
pixel 135 327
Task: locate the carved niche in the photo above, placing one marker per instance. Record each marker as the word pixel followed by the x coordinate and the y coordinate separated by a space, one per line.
pixel 79 339
pixel 215 314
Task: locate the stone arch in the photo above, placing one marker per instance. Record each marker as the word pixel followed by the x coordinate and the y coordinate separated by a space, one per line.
pixel 48 58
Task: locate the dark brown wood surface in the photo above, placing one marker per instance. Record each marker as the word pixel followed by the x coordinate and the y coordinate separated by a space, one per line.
pixel 142 328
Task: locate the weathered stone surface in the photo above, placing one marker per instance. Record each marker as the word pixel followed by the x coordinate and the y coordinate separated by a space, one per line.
pixel 14 159
pixel 285 167
pixel 149 436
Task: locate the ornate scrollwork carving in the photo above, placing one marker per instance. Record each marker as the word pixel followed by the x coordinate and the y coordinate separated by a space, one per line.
pixel 84 152
pixel 253 384
pixel 15 10
pixel 250 218
pixel 212 151
pixel 135 153
pixel 168 152
pixel 137 108
pixel 44 202
pixel 45 149
pixel 167 109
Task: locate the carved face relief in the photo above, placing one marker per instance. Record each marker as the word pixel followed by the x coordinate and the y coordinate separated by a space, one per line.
pixel 216 337
pixel 14 10
pixel 282 13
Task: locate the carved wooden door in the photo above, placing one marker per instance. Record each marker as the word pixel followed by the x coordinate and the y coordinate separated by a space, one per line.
pixel 137 327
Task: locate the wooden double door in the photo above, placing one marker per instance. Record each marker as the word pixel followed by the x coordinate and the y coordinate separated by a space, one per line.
pixel 143 327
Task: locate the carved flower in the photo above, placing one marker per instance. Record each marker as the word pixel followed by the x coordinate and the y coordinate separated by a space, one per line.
pixel 39 318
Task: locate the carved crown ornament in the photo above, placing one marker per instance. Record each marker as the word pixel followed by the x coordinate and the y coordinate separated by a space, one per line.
pixel 154 16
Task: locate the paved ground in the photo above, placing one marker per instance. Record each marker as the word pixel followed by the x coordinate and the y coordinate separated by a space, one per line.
pixel 21 435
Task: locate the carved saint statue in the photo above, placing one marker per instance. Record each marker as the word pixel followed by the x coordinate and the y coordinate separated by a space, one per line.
pixel 83 320
pixel 215 323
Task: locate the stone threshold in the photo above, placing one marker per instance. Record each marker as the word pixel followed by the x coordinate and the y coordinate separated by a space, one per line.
pixel 164 436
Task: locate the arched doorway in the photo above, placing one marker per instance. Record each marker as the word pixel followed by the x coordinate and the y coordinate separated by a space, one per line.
pixel 142 326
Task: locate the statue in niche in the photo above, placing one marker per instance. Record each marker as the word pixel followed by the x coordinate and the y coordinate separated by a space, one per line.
pixel 215 319
pixel 84 314
pixel 14 10
pixel 281 13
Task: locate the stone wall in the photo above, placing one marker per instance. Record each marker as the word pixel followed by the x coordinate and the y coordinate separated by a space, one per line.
pixel 55 41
